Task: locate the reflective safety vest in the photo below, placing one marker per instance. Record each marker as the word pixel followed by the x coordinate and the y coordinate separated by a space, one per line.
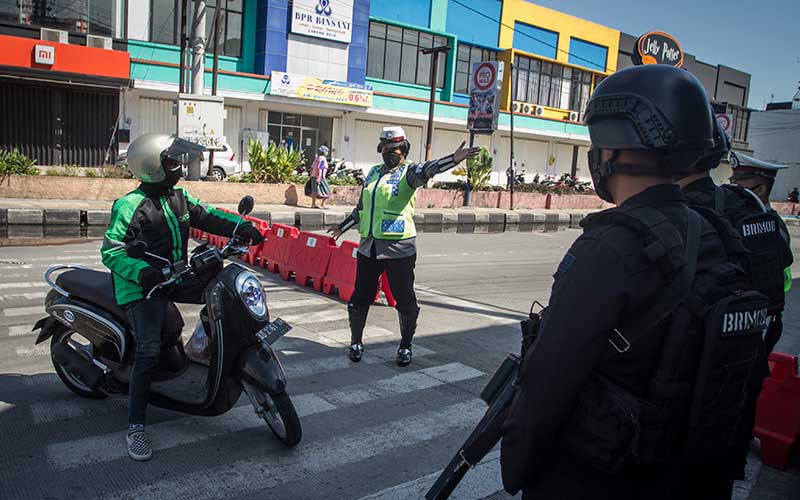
pixel 387 202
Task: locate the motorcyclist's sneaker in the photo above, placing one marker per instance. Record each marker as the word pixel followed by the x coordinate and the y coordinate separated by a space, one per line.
pixel 138 446
pixel 404 357
pixel 356 350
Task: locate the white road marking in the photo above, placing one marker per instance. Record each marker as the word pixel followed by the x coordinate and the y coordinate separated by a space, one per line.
pixel 480 482
pixel 305 318
pixel 188 430
pixel 94 256
pixel 17 330
pixel 23 296
pixel 314 366
pixel 37 350
pixel 309 458
pixel 288 304
pixel 23 284
pixel 445 299
pixel 23 311
pixel 52 411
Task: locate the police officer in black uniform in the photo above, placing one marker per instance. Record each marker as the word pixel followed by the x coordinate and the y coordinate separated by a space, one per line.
pixel 647 124
pixel 769 254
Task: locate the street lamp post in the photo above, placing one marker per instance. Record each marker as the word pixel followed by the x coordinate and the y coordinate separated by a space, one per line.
pixel 434 53
pixel 214 75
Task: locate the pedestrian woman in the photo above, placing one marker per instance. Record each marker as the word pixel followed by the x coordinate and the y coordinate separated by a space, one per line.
pixel 385 219
pixel 320 190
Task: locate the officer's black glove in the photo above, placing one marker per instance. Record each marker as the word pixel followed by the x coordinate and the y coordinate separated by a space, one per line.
pixel 250 234
pixel 150 278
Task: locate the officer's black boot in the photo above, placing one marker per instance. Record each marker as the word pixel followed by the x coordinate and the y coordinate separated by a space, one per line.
pixel 408 326
pixel 358 318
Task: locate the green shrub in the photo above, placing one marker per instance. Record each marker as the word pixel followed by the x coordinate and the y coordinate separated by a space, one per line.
pixel 273 164
pixel 72 170
pixel 116 172
pixel 478 170
pixel 335 180
pixel 91 173
pixel 53 172
pixel 15 163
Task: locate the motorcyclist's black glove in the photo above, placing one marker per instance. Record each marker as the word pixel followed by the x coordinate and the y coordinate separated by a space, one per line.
pixel 250 234
pixel 150 278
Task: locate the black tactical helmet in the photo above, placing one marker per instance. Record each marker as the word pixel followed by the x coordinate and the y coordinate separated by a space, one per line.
pixel 654 108
pixel 720 150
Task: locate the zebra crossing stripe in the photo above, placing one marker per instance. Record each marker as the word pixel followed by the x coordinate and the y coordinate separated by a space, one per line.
pixel 26 284
pixel 23 311
pixel 18 330
pixel 188 430
pixel 23 296
pixel 289 304
pixel 308 459
pixel 42 349
pixel 305 318
pixel 314 366
pixel 480 482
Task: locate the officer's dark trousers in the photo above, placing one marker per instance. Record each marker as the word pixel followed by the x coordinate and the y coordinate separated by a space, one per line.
pixel 401 281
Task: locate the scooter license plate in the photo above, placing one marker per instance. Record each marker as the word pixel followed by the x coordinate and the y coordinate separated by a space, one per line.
pixel 273 331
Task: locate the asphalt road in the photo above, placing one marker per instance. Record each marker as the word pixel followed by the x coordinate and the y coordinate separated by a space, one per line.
pixel 371 430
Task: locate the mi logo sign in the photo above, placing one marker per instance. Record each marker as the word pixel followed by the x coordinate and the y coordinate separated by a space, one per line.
pixel 44 54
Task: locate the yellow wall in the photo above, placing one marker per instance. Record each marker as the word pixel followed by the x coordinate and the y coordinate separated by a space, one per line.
pixel 565 25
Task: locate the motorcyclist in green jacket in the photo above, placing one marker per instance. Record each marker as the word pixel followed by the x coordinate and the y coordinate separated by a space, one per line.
pixel 159 214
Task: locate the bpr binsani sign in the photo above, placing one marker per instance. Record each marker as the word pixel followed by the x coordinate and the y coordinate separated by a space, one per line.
pixel 657 47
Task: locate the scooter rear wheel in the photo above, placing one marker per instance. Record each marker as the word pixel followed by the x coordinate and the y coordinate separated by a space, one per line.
pixel 72 382
pixel 282 419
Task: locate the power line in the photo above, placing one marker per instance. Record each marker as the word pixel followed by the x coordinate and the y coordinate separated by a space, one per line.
pixel 515 30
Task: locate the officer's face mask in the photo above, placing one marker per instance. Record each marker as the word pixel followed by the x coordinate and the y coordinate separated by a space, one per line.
pixel 392 158
pixel 599 170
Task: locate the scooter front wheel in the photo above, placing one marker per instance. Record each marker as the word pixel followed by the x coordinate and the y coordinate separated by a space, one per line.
pixel 281 417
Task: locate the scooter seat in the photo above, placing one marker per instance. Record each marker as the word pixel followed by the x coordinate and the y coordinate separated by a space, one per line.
pixel 92 286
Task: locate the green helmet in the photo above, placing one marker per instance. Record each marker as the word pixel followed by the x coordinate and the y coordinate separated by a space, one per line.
pixel 147 153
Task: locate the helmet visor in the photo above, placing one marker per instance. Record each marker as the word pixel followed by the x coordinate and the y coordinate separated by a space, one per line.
pixel 183 152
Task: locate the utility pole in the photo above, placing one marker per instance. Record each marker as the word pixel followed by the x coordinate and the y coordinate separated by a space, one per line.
pixel 199 46
pixel 184 43
pixel 513 166
pixel 434 53
pixel 214 74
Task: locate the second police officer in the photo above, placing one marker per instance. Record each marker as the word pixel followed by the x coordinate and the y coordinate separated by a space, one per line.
pixel 605 406
pixel 767 261
pixel 385 219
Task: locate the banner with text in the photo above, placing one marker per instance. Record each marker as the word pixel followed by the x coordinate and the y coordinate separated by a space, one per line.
pixel 319 89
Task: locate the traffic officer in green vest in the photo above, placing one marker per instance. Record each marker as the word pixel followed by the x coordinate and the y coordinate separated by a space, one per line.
pixel 385 219
pixel 759 176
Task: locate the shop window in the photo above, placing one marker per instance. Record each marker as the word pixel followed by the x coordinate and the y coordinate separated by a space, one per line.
pixel 165 20
pixel 466 55
pixel 98 17
pixel 741 123
pixel 304 132
pixel 551 84
pixel 393 53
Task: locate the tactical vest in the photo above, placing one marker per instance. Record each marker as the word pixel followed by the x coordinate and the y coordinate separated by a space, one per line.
pixel 697 389
pixel 763 235
pixel 387 205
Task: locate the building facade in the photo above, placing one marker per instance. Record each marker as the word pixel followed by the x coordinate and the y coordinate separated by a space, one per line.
pixel 308 73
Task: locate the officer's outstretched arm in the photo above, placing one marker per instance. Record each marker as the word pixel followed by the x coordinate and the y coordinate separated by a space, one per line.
pixel 418 175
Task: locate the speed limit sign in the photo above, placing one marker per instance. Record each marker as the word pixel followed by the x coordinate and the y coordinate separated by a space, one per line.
pixel 725 121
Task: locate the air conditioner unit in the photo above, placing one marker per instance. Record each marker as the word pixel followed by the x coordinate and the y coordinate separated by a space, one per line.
pixel 573 116
pixel 526 108
pixel 99 42
pixel 49 35
pixel 538 111
pixel 516 106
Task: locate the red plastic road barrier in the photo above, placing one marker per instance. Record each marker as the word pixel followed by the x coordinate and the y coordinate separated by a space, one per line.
pixel 255 251
pixel 778 411
pixel 310 255
pixel 278 247
pixel 342 271
pixel 387 291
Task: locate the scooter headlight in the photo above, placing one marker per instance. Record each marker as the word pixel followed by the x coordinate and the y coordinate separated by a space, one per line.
pixel 252 294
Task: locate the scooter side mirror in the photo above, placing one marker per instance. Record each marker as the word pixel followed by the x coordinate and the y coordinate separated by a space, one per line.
pixel 136 249
pixel 246 205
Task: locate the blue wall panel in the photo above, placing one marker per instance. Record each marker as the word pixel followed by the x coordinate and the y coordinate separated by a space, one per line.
pixel 471 27
pixel 587 54
pixel 413 12
pixel 272 43
pixel 535 40
pixel 357 52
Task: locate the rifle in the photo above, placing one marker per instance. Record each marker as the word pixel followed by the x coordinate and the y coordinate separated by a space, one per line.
pixel 497 394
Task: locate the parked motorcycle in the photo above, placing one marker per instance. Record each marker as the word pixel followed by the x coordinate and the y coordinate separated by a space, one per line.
pixel 230 352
